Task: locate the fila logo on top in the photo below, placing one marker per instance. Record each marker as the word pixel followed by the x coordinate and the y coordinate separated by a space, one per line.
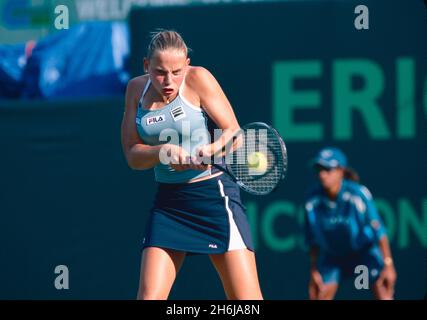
pixel 155 119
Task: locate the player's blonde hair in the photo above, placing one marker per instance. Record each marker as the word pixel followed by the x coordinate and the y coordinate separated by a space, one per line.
pixel 166 39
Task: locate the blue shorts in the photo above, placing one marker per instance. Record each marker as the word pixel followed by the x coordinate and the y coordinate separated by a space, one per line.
pixel 201 217
pixel 333 269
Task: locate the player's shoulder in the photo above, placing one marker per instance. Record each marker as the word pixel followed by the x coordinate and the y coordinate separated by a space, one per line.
pixel 137 84
pixel 358 189
pixel 134 90
pixel 313 195
pixel 197 71
pixel 197 76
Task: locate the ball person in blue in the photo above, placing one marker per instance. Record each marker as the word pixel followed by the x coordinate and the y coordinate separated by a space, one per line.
pixel 343 230
pixel 169 114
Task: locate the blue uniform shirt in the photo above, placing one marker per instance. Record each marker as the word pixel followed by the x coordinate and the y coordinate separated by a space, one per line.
pixel 349 224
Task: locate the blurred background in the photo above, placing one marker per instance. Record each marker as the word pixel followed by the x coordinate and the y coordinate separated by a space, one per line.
pixel 68 198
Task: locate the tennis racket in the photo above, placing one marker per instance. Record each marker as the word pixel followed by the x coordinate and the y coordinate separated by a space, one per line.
pixel 259 163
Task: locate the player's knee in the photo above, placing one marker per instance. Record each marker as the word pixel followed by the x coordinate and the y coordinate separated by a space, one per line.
pixel 253 293
pixel 146 293
pixel 151 295
pixel 246 296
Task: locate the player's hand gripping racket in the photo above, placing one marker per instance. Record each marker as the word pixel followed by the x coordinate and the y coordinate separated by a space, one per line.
pixel 259 162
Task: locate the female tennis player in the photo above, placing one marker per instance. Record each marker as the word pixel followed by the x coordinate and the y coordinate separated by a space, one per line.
pixel 168 121
pixel 344 230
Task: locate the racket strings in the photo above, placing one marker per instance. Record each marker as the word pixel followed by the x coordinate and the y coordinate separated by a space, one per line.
pixel 266 142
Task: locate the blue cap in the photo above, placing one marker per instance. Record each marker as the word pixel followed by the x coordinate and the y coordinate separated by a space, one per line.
pixel 330 158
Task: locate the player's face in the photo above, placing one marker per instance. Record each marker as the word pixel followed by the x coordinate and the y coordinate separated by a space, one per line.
pixel 167 69
pixel 330 178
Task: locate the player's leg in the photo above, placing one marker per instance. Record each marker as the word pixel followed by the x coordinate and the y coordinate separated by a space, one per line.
pixel 328 291
pixel 159 268
pixel 238 273
pixel 330 272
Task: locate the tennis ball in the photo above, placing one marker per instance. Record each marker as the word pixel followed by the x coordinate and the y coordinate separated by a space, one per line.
pixel 257 163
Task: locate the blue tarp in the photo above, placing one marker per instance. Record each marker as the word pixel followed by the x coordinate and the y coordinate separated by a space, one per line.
pixel 87 60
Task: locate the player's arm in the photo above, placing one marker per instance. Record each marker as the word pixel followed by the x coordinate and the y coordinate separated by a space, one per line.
pixel 139 156
pixel 310 240
pixel 371 213
pixel 310 233
pixel 215 103
pixel 388 275
pixel 315 285
pixel 314 253
pixel 386 251
pixel 375 222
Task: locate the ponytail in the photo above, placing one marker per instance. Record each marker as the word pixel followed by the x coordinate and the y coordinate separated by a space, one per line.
pixel 351 174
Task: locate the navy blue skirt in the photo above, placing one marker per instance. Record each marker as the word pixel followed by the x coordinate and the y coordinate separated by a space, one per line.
pixel 202 217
